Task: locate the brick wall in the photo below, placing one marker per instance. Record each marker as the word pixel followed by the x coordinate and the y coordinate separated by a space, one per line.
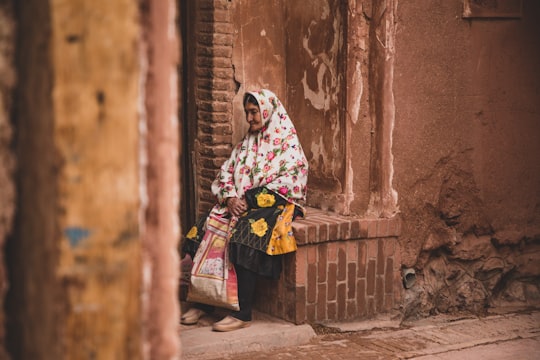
pixel 214 92
pixel 343 269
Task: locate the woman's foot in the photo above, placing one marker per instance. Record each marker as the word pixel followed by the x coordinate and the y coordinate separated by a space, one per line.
pixel 192 316
pixel 230 323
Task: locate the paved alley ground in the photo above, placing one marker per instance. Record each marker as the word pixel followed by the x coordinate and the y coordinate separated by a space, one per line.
pixel 513 336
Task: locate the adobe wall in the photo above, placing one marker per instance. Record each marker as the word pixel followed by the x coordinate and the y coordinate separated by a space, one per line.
pixel 32 251
pixel 7 160
pixel 466 145
pixel 75 257
pixel 298 50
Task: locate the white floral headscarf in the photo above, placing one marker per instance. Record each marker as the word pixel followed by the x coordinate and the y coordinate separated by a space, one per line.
pixel 271 157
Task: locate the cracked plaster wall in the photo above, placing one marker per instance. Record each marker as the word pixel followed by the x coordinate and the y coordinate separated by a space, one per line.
pixel 296 49
pixel 466 147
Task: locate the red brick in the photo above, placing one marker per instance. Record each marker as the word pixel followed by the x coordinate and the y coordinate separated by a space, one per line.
pixel 214 163
pixel 205 183
pixel 311 283
pixel 380 257
pixel 312 234
pixel 322 266
pixel 300 233
pixel 300 304
pixel 351 309
pixel 379 294
pixel 321 302
pixel 382 228
pixel 372 228
pixel 211 84
pixel 222 15
pixel 212 117
pixel 397 257
pixel 205 27
pixel 217 150
pixel 312 254
pixel 370 278
pixel 333 231
pixel 342 264
pixel 389 246
pixel 332 282
pixel 393 226
pixel 214 62
pixel 222 4
pixel 351 281
pixel 215 73
pixel 205 39
pixel 205 4
pixel 345 230
pixel 208 173
pixel 217 129
pixel 214 106
pixel 362 259
pixel 331 310
pixel 355 229
pixel 364 229
pixel 332 251
pixel 311 313
pixel 389 276
pixel 370 310
pixel 352 251
pixel 215 95
pixel 301 266
pixel 341 301
pixel 388 302
pixel 223 28
pixel 206 13
pixel 361 297
pixel 323 232
pixel 372 249
pixel 398 288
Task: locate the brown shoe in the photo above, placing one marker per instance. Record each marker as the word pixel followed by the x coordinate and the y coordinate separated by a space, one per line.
pixel 230 323
pixel 191 316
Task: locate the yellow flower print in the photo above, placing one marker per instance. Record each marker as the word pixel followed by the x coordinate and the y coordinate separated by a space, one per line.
pixel 218 244
pixel 192 233
pixel 266 200
pixel 259 227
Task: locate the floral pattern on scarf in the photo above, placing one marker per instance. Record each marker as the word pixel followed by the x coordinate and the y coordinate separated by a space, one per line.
pixel 271 157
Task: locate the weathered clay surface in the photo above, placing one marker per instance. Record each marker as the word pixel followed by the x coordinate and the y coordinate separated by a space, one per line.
pixel 294 48
pixel 7 160
pixel 465 146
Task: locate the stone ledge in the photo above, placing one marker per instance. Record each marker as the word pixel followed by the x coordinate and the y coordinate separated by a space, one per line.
pixel 320 226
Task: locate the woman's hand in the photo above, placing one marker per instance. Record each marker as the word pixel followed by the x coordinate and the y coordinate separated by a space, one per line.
pixel 237 206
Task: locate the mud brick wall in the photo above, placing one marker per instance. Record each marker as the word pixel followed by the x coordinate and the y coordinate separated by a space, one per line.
pixel 214 91
pixel 343 269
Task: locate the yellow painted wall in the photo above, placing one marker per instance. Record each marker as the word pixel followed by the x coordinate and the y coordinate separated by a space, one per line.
pixel 96 74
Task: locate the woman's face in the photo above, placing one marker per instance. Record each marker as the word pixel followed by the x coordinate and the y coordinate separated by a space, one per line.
pixel 253 117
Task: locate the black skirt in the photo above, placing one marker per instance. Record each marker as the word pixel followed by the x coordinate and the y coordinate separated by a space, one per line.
pixel 246 248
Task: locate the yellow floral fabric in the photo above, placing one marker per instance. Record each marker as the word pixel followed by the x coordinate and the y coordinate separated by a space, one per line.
pixel 192 233
pixel 259 227
pixel 266 200
pixel 282 240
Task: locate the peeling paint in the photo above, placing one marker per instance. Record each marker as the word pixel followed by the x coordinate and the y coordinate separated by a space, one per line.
pixel 76 235
pixel 392 194
pixel 326 92
pixel 356 90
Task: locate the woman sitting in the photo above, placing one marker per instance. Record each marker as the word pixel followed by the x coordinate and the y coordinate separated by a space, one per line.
pixel 258 191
